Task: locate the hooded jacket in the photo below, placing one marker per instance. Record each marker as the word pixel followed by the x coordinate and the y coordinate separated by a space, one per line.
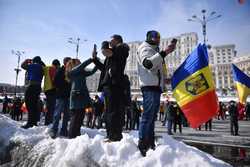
pixel 152 77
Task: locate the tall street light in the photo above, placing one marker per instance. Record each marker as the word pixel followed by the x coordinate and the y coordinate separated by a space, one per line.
pixel 205 18
pixel 18 54
pixel 76 42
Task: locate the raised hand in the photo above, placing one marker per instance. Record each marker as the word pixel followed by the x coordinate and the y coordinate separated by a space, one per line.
pixel 94 52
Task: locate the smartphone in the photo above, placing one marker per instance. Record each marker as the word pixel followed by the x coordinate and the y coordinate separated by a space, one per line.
pixel 95 47
pixel 174 41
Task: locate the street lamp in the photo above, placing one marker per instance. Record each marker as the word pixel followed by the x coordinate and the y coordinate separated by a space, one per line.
pixel 76 42
pixel 18 54
pixel 205 18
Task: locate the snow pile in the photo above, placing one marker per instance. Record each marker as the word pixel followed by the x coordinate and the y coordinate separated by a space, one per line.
pixel 90 149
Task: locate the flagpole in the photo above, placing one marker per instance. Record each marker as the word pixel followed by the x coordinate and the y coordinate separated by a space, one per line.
pixel 204 20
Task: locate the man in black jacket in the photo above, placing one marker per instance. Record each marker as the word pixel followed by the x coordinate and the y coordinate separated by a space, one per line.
pixel 233 112
pixel 112 84
pixel 62 101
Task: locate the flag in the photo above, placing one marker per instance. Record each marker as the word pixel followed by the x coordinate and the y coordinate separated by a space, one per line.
pixel 242 82
pixel 193 88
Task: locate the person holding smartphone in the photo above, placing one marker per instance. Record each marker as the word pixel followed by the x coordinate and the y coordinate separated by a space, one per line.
pixel 113 84
pixel 150 69
pixel 77 73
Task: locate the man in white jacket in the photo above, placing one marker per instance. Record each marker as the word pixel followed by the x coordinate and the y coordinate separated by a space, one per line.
pixel 150 68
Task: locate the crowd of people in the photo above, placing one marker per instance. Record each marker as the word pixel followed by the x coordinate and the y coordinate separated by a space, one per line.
pixel 68 99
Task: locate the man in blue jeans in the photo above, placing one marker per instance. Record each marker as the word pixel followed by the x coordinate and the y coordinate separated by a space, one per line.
pixel 62 101
pixel 151 77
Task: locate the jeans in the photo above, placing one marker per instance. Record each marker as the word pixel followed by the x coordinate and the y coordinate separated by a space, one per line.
pixel 50 104
pixel 151 104
pixel 62 106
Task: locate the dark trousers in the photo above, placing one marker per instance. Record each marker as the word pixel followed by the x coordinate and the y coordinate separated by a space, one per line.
pixel 50 104
pixel 161 116
pixel 89 119
pixel 170 125
pixel 31 100
pixel 208 124
pixel 136 123
pixel 114 117
pixel 129 118
pixel 76 122
pixel 16 114
pixel 4 108
pixel 177 121
pixel 98 118
pixel 234 126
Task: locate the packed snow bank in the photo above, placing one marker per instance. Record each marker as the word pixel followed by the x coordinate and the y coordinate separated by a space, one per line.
pixel 89 149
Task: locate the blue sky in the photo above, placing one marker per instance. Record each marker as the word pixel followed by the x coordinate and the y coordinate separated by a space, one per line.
pixel 42 27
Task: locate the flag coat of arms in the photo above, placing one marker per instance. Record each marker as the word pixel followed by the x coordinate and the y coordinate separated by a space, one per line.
pixel 193 88
pixel 242 82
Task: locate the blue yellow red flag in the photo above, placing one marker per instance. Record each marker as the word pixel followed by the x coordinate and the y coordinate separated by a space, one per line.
pixel 193 88
pixel 242 82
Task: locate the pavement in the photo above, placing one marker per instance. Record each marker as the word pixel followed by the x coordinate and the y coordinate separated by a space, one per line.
pixel 220 134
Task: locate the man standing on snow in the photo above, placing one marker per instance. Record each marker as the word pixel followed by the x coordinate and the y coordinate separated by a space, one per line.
pixel 150 69
pixel 50 90
pixel 112 84
pixel 34 70
pixel 63 88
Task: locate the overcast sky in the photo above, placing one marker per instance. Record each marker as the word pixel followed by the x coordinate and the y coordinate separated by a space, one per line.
pixel 42 27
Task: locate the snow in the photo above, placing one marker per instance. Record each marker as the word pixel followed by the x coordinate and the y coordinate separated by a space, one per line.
pixel 89 149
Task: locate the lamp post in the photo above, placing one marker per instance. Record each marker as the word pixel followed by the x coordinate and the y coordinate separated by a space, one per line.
pixel 204 20
pixel 18 54
pixel 76 42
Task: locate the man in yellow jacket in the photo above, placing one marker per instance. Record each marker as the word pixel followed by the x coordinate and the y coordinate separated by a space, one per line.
pixel 50 90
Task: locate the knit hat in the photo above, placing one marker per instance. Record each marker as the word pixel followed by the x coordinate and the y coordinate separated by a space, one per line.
pixel 152 36
pixel 36 59
pixel 105 45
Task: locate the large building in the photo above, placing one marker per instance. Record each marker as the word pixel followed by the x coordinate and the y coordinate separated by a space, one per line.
pixel 185 44
pixel 220 60
pixel 243 62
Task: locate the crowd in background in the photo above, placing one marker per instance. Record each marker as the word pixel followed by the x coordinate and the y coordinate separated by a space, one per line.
pixel 67 97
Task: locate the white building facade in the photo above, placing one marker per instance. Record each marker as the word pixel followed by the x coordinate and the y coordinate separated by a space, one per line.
pixel 185 44
pixel 220 60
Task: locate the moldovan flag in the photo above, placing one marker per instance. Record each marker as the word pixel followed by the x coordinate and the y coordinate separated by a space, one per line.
pixel 193 88
pixel 242 82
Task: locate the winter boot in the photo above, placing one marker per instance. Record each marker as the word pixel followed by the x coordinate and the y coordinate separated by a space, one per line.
pixel 143 147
